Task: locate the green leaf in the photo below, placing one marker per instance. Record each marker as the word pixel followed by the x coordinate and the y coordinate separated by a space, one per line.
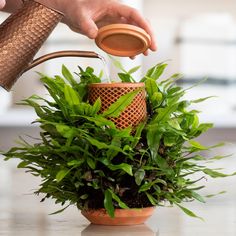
pixel 61 175
pixel 202 99
pixel 198 197
pixel 216 194
pixel 84 109
pixel 75 163
pixel 84 196
pixel 117 64
pixel 188 212
pixel 165 113
pixel 153 201
pixel 59 80
pixel 154 135
pixel 155 72
pixel 111 153
pixel 91 163
pixel 125 167
pixel 125 78
pixel 133 70
pixel 108 204
pixel 174 123
pixel 65 130
pixel 89 77
pixel 138 133
pixel 183 105
pixel 123 133
pixel 55 89
pixel 151 87
pixel 117 199
pixel 198 145
pixel 39 111
pixel 170 140
pixel 173 90
pixel 68 76
pixel 59 211
pixel 119 106
pixel 139 176
pixel 71 96
pixel 23 164
pixel 98 144
pixel 100 121
pixel 156 98
pixel 216 174
pixel 171 80
pixel 97 106
pixel 221 144
pixel 148 185
pixel 197 84
pixel 219 157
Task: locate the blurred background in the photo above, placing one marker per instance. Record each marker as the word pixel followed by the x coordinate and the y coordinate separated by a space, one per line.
pixel 196 38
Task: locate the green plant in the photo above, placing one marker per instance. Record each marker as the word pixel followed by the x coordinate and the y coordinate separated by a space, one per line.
pixel 84 160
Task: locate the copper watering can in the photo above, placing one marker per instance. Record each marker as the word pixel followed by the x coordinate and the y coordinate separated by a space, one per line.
pixel 21 36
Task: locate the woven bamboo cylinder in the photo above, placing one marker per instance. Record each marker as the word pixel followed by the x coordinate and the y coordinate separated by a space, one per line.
pixel 111 92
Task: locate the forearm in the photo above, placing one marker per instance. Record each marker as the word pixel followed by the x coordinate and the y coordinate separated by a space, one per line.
pixel 12 5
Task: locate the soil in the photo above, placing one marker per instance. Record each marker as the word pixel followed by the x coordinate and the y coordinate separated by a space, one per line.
pixel 128 194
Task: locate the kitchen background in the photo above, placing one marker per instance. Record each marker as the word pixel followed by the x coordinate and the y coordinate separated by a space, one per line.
pixel 196 38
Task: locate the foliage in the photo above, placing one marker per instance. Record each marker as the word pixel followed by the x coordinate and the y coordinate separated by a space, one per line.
pixel 83 159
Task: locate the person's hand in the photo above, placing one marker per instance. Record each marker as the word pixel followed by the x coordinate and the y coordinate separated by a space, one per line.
pixel 86 16
pixel 2 3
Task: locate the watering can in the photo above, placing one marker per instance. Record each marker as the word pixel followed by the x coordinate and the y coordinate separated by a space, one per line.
pixel 21 36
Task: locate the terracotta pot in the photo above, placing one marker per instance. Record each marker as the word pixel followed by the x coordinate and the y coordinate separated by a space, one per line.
pixel 122 216
pixel 110 92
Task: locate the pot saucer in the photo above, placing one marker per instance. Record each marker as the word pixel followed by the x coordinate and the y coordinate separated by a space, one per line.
pixel 123 40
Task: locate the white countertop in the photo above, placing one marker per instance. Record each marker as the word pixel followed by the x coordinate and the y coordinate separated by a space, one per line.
pixel 21 213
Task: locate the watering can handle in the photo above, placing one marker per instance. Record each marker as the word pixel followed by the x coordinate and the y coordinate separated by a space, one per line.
pixel 88 54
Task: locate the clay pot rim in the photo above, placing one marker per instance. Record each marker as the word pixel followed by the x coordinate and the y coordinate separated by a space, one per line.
pixel 118 210
pixel 117 84
pixel 125 27
pixel 122 217
pixel 134 32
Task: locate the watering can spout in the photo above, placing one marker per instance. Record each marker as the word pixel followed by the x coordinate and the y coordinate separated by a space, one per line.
pixel 21 36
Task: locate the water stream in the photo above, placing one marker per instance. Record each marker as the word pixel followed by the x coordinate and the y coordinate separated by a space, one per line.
pixel 105 69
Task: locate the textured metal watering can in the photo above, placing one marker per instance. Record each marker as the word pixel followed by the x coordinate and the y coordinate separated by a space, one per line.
pixel 21 36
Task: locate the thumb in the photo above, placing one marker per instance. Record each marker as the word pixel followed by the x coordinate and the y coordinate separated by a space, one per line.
pixel 89 28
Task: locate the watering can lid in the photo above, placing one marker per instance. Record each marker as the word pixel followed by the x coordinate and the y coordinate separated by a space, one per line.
pixel 122 40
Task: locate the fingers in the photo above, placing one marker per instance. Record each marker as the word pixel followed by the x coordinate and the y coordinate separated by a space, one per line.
pixel 88 27
pixel 93 14
pixel 134 16
pixel 153 45
pixel 106 20
pixel 145 53
pixel 2 3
